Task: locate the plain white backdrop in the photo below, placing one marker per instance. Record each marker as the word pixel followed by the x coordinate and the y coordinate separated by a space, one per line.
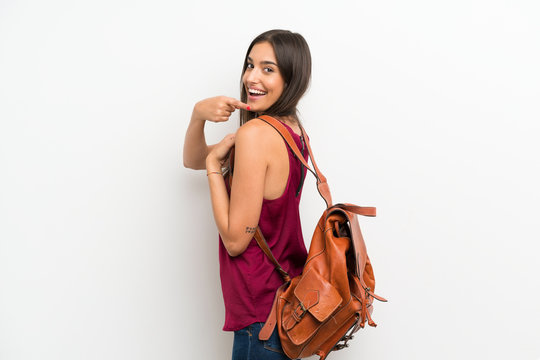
pixel 428 110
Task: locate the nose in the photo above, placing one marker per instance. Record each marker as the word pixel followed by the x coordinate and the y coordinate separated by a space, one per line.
pixel 252 76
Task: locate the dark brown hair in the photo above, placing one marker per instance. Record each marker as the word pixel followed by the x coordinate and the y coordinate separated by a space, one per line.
pixel 294 63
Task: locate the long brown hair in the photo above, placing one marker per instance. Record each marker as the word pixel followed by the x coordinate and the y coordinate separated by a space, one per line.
pixel 294 63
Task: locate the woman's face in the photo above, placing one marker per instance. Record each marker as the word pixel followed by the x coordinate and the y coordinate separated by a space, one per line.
pixel 262 78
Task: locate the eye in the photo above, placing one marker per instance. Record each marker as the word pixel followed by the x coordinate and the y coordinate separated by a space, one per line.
pixel 268 69
pixel 249 66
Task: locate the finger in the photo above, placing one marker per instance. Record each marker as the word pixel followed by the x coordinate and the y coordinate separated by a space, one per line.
pixel 229 137
pixel 239 105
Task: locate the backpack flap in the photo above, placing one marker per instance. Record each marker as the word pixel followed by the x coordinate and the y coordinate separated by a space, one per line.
pixel 315 300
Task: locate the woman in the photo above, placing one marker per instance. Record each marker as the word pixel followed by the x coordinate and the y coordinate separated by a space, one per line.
pixel 266 186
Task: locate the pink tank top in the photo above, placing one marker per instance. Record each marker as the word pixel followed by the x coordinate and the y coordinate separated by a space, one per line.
pixel 249 281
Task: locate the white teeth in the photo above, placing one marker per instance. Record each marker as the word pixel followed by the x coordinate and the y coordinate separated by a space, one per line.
pixel 253 91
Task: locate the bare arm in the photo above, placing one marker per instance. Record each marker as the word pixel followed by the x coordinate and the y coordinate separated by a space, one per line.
pixel 216 109
pixel 195 147
pixel 238 217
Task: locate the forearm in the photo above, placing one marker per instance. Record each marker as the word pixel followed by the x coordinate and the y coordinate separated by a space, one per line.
pixel 220 202
pixel 216 109
pixel 195 147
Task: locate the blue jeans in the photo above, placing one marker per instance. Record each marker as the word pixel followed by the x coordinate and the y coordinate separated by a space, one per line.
pixel 247 345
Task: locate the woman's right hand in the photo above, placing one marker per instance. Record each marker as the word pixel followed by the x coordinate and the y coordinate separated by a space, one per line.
pixel 217 109
pixel 220 152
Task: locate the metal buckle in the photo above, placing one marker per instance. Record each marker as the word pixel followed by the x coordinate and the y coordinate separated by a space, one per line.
pixel 345 344
pixel 299 315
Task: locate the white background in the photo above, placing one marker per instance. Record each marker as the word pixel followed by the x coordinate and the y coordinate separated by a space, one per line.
pixel 426 109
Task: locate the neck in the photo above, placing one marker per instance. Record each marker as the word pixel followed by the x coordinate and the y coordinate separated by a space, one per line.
pixel 289 120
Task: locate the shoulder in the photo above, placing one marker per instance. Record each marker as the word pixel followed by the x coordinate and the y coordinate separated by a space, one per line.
pixel 256 131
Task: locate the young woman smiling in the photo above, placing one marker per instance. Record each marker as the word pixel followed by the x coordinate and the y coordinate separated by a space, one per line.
pixel 266 186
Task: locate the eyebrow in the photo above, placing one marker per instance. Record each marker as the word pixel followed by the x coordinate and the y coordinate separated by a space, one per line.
pixel 264 61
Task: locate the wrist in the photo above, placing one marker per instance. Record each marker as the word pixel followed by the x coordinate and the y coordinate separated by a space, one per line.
pixel 195 115
pixel 195 119
pixel 212 164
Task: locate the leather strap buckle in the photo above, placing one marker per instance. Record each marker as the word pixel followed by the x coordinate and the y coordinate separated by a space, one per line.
pixel 298 315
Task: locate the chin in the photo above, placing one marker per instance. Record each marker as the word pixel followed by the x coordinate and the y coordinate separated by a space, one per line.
pixel 258 109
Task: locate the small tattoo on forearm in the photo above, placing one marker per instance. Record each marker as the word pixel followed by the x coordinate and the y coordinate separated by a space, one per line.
pixel 250 230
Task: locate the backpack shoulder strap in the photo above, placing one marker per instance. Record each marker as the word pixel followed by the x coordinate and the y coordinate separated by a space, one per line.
pixel 261 241
pixel 322 185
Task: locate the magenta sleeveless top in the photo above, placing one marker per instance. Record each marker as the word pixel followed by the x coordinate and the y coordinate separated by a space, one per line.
pixel 249 281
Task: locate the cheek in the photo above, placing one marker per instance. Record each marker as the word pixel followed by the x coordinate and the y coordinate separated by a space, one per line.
pixel 279 92
pixel 278 88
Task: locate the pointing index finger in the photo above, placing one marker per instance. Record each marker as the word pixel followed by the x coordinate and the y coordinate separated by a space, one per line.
pixel 240 105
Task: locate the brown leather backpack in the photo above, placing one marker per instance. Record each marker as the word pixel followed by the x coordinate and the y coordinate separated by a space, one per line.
pixel 320 310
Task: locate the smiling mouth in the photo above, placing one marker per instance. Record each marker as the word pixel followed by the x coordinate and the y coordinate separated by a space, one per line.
pixel 256 93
